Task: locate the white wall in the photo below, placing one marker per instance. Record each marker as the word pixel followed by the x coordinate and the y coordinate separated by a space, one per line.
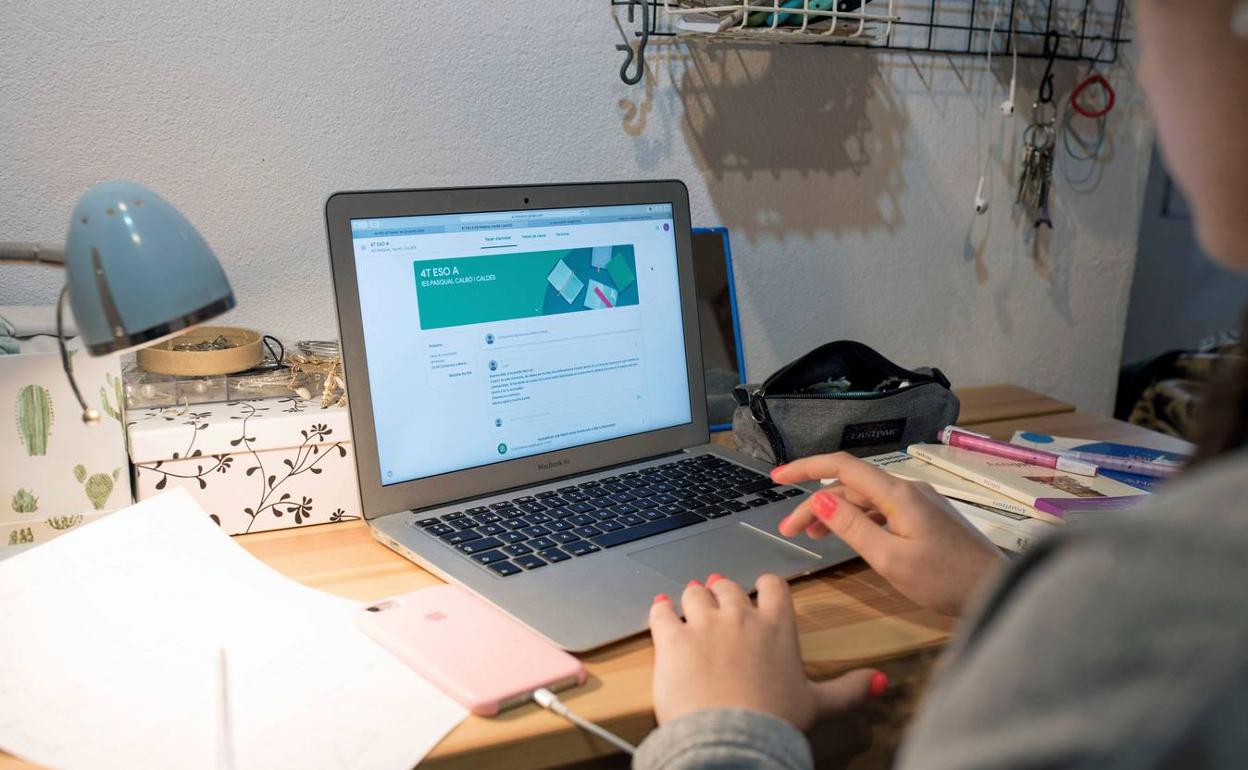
pixel 846 176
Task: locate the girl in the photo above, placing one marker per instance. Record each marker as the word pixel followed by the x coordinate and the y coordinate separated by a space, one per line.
pixel 1116 647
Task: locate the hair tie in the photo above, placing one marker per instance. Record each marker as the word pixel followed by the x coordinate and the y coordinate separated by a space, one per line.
pixel 1110 96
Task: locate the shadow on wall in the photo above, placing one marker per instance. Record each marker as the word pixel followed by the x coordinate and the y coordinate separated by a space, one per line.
pixel 783 133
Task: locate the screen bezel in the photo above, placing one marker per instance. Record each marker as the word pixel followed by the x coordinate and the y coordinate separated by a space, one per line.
pixel 722 237
pixel 381 500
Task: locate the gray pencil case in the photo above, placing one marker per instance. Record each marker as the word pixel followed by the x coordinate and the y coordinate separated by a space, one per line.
pixel 842 396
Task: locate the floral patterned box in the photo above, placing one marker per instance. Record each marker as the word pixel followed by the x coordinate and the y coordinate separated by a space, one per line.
pixel 57 473
pixel 254 465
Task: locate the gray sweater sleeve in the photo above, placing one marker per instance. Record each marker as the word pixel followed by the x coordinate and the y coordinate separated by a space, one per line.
pixel 1113 646
pixel 725 739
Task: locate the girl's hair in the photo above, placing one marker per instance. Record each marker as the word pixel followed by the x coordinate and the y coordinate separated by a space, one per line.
pixel 1224 415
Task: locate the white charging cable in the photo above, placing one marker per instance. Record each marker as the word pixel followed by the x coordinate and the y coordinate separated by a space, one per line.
pixel 1007 106
pixel 981 202
pixel 549 701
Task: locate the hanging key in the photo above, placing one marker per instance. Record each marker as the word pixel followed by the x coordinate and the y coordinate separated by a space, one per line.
pixel 1024 176
pixel 1046 187
pixel 1035 178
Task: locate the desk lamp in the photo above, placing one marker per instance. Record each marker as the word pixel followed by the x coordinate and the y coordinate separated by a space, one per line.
pixel 136 271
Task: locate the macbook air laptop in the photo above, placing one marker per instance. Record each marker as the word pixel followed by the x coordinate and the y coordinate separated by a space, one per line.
pixel 528 408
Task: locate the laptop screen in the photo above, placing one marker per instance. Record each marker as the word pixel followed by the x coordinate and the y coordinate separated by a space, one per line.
pixel 499 335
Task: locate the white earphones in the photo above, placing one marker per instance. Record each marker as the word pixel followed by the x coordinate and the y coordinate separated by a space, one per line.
pixel 981 203
pixel 1007 106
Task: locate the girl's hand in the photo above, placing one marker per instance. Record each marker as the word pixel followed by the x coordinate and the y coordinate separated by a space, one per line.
pixel 929 552
pixel 729 654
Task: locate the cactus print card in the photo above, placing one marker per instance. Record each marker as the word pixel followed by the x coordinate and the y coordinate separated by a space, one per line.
pixel 58 472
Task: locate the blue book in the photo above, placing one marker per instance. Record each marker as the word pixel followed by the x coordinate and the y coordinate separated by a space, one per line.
pixel 1126 451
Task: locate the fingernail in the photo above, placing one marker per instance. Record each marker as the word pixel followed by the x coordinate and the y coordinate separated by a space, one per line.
pixel 879 683
pixel 660 598
pixel 713 578
pixel 784 525
pixel 776 470
pixel 693 583
pixel 824 505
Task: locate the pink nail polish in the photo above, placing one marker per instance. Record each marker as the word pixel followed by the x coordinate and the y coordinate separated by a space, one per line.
pixel 693 583
pixel 660 598
pixel 713 578
pixel 824 506
pixel 879 683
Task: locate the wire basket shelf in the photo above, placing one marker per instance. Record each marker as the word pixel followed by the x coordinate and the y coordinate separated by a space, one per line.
pixel 1086 30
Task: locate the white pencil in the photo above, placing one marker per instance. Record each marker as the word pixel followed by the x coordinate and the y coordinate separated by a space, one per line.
pixel 225 737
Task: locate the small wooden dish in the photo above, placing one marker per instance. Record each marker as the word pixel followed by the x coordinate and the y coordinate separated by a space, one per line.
pixel 245 353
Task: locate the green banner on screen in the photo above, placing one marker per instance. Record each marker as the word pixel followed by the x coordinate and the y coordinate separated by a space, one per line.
pixel 503 286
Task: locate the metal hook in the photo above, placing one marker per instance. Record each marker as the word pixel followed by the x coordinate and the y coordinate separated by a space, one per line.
pixel 1052 44
pixel 635 56
pixel 1096 57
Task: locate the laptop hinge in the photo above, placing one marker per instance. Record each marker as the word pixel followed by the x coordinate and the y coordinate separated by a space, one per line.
pixel 555 480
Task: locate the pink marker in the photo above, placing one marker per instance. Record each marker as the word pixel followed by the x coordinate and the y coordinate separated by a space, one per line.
pixel 975 442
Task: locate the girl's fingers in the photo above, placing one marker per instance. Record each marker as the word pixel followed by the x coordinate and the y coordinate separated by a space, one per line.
pixel 808 520
pixel 804 517
pixel 664 622
pixel 861 476
pixel 837 696
pixel 853 525
pixel 697 601
pixel 774 598
pixel 797 521
pixel 855 497
pixel 727 593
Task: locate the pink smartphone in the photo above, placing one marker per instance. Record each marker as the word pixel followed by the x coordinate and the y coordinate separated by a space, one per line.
pixel 471 651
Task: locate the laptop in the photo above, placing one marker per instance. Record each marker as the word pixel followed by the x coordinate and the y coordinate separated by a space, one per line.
pixel 528 408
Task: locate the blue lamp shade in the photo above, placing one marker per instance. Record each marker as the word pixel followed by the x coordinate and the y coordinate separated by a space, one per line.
pixel 137 270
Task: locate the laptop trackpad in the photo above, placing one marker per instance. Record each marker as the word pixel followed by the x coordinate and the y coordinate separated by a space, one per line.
pixel 740 552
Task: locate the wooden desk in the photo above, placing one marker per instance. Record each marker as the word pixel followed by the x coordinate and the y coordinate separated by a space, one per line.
pixel 989 403
pixel 847 617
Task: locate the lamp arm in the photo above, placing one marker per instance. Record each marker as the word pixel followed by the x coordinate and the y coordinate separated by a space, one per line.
pixel 89 416
pixel 34 253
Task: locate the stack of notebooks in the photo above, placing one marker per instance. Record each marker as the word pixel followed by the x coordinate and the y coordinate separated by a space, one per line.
pixel 1015 503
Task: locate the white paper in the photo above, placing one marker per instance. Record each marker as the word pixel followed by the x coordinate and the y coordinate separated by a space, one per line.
pixel 565 281
pixel 108 658
pixel 600 295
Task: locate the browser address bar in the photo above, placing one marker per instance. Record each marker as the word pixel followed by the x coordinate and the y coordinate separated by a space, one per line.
pixel 523 215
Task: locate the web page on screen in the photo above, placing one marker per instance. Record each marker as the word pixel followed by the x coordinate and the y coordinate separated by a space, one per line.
pixel 498 335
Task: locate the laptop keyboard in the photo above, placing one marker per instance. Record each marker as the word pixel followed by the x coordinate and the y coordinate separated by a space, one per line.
pixel 532 531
